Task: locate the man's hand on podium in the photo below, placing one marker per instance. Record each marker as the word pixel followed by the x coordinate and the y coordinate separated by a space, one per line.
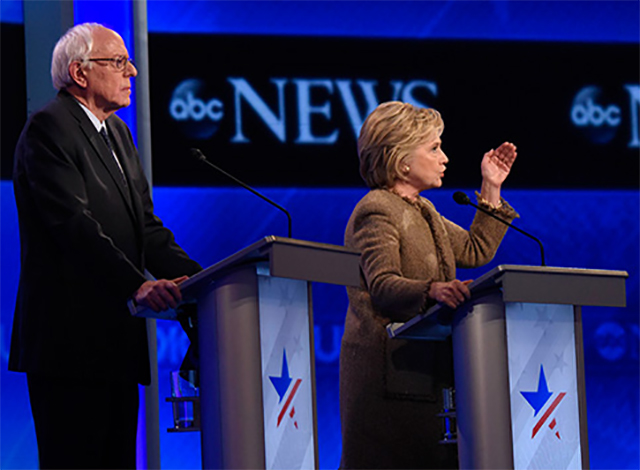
pixel 160 295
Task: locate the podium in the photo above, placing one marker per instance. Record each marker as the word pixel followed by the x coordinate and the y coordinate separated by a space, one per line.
pixel 519 364
pixel 255 334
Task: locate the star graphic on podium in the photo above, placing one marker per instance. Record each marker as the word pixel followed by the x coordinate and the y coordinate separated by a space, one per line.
pixel 281 384
pixel 538 398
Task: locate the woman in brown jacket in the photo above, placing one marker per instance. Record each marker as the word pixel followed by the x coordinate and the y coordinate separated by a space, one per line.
pixel 391 390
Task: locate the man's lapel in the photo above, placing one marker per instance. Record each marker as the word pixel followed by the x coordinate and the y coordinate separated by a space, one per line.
pixel 98 144
pixel 122 150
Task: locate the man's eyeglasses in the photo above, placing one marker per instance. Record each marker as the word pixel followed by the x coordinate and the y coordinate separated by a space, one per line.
pixel 120 63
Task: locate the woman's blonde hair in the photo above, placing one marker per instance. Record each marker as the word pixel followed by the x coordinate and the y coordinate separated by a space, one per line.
pixel 389 135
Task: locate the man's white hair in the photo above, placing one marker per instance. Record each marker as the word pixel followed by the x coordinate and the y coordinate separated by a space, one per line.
pixel 75 45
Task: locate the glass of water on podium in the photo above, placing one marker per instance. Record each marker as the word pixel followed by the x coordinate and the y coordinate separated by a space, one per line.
pixel 185 400
pixel 448 417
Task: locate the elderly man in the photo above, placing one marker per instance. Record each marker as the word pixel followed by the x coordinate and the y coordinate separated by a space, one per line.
pixel 87 232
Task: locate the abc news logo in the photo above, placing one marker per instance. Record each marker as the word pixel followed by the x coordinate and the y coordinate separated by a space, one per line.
pixel 199 113
pixel 600 119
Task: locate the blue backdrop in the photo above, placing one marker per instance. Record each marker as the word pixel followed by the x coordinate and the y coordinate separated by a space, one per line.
pixel 580 228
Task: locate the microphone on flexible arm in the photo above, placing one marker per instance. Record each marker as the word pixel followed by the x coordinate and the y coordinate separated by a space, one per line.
pixel 200 156
pixel 462 199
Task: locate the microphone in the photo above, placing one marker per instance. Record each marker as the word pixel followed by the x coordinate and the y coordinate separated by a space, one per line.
pixel 462 199
pixel 200 156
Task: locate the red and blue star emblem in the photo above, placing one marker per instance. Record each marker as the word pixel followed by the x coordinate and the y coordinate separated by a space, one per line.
pixel 539 399
pixel 281 384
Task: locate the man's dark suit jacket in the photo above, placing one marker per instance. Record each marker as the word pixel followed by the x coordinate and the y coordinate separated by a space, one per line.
pixel 86 239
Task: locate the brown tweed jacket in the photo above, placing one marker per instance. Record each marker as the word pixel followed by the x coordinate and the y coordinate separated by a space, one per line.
pixel 405 246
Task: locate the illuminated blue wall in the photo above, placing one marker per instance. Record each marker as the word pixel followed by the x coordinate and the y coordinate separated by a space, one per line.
pixel 582 21
pixel 590 229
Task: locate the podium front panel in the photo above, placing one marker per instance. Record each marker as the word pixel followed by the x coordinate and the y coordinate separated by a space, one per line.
pixel 543 382
pixel 287 378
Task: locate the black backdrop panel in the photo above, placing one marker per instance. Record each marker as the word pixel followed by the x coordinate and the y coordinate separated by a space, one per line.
pixel 285 111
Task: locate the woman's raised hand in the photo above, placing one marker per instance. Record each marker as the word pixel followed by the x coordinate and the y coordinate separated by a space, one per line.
pixel 496 164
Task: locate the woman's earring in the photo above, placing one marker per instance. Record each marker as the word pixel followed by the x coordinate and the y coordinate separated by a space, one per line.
pixel 407 169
